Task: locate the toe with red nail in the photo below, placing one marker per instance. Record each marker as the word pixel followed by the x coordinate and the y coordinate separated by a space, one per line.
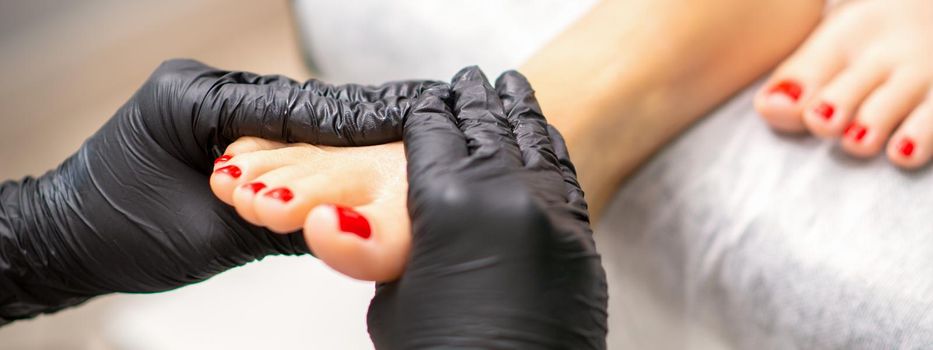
pixel 231 170
pixel 352 222
pixel 789 88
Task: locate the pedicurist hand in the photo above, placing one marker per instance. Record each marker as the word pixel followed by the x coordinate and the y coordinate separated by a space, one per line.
pixel 502 253
pixel 131 211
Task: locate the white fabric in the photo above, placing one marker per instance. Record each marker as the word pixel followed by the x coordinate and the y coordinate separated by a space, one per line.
pixel 372 41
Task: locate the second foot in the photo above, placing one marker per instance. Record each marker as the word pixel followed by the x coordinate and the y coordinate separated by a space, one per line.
pixel 349 201
pixel 864 77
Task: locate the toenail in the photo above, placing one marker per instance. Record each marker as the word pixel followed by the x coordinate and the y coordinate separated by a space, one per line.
pixel 825 110
pixel 856 132
pixel 222 159
pixel 906 147
pixel 232 170
pixel 352 222
pixel 283 194
pixel 789 88
pixel 255 186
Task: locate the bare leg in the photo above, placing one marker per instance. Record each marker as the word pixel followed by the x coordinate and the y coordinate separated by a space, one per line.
pixel 632 74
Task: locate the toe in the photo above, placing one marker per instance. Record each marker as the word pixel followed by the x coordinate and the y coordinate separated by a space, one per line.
pixel 882 111
pixel 243 145
pixel 910 147
pixel 293 191
pixel 782 99
pixel 833 109
pixel 369 242
pixel 227 174
pixel 243 168
pixel 244 198
pixel 248 144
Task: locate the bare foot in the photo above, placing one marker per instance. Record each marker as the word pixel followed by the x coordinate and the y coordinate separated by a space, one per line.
pixel 350 201
pixel 864 76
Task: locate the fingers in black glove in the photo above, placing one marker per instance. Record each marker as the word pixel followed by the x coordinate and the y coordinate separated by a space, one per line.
pixel 481 117
pixel 219 106
pixel 501 257
pixel 524 114
pixel 132 210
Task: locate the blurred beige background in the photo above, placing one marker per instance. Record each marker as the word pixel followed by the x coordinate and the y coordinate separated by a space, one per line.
pixel 66 67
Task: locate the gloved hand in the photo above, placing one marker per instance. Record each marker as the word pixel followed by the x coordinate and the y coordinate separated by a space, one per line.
pixel 132 211
pixel 502 252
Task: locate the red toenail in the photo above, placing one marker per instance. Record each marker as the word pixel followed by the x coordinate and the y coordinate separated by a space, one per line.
pixel 825 110
pixel 255 186
pixel 232 170
pixel 856 132
pixel 353 222
pixel 906 147
pixel 788 87
pixel 283 194
pixel 222 159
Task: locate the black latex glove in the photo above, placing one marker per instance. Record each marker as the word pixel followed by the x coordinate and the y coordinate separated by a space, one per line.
pixel 502 254
pixel 132 210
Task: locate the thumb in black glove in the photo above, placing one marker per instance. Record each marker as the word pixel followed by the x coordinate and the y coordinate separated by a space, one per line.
pixel 131 211
pixel 502 251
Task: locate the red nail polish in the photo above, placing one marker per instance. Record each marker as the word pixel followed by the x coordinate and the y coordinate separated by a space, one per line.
pixel 255 186
pixel 353 222
pixel 825 110
pixel 232 170
pixel 906 147
pixel 222 159
pixel 856 132
pixel 283 194
pixel 789 88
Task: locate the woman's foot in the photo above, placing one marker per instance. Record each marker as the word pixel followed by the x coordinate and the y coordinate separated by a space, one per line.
pixel 864 76
pixel 350 201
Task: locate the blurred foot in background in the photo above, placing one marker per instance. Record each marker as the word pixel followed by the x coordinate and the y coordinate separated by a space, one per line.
pixel 863 77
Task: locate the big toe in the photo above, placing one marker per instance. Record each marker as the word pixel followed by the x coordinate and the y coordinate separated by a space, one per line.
pixel 782 99
pixel 369 242
pixel 780 104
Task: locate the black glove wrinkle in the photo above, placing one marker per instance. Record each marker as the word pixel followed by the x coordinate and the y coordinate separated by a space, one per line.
pixel 132 210
pixel 18 265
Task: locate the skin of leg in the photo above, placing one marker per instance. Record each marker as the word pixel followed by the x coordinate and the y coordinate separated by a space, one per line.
pixel 619 86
